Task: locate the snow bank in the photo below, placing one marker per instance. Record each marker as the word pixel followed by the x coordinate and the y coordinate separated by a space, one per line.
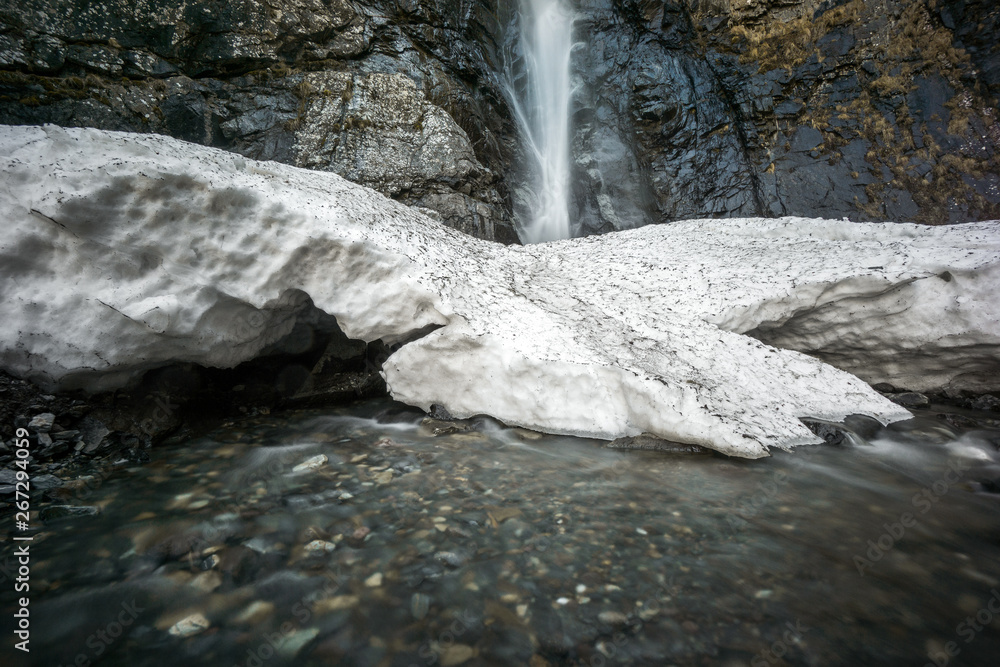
pixel 127 252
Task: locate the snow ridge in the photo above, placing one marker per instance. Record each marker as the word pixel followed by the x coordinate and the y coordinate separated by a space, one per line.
pixel 126 252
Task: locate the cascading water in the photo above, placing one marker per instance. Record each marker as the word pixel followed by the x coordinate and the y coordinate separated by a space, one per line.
pixel 542 107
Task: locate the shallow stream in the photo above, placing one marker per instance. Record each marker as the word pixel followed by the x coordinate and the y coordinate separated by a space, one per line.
pixel 360 537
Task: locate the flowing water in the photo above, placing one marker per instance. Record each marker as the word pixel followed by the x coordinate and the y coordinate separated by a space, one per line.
pixel 360 536
pixel 541 104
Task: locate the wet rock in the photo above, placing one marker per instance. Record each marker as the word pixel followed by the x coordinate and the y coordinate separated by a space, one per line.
pixel 612 618
pixel 319 547
pixel 990 485
pixel 911 399
pixel 311 464
pixel 457 654
pixel 45 482
pixel 255 613
pixel 651 442
pixel 863 426
pixel 206 581
pixel 832 434
pixel 438 427
pixel 296 641
pixel 958 421
pixel 451 559
pixel 54 512
pixel 42 423
pixel 986 403
pixel 189 626
pixel 419 606
pixel 336 603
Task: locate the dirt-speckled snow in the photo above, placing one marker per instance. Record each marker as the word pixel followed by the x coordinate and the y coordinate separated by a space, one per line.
pixel 125 252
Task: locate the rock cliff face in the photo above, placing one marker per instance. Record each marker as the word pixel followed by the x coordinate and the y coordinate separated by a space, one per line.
pixel 873 110
pixel 389 94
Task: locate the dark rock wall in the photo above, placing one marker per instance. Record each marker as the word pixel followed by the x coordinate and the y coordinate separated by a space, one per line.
pixel 391 94
pixel 878 109
pixel 873 110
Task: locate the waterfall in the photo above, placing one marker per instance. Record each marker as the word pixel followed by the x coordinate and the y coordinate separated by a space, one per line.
pixel 541 104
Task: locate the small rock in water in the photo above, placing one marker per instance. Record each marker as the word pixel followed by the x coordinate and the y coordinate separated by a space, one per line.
pixel 986 403
pixel 958 421
pixel 255 613
pixel 991 485
pixel 53 512
pixel 294 642
pixel 831 433
pixel 456 655
pixel 613 618
pixel 440 427
pixel 647 441
pixel 374 581
pixel 207 581
pixel 192 625
pixel 319 547
pixel 336 603
pixel 419 606
pixel 911 399
pixel 450 558
pixel 312 463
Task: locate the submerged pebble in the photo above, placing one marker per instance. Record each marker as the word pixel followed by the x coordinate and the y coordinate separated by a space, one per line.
pixel 190 625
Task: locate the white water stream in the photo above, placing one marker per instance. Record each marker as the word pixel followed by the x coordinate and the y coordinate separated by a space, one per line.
pixel 542 108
